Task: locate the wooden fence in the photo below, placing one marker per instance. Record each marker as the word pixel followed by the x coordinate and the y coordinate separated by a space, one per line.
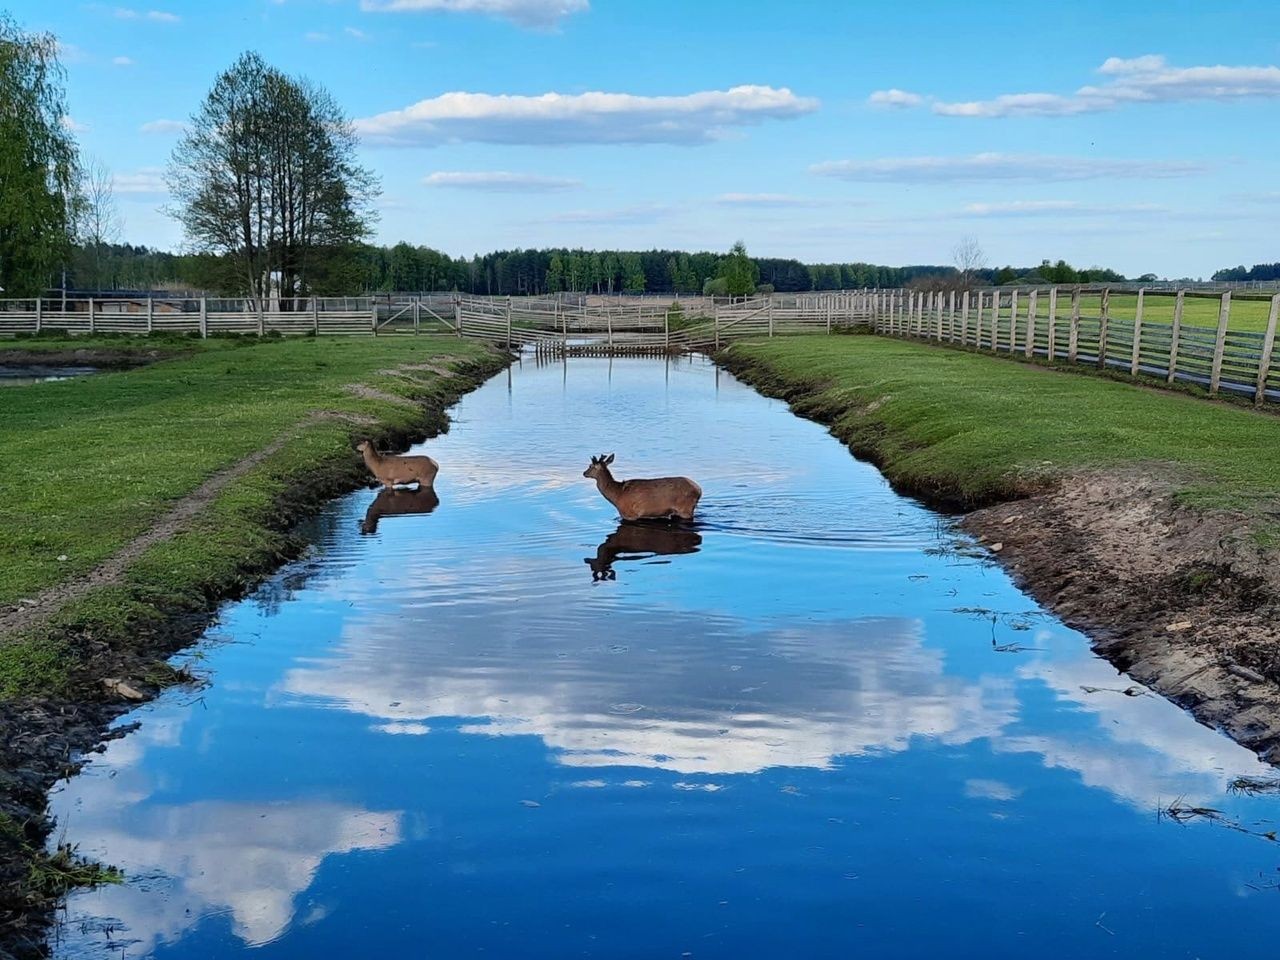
pixel 564 323
pixel 1047 322
pixel 1050 323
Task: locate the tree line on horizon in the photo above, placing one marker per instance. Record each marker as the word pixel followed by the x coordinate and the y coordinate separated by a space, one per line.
pixel 1258 272
pixel 363 269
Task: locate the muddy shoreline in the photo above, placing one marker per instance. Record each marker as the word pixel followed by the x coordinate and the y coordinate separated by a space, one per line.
pixel 44 741
pixel 1184 601
pixel 103 358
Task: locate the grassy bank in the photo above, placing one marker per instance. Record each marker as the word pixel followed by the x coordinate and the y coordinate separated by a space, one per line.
pixel 246 437
pixel 89 465
pixel 966 429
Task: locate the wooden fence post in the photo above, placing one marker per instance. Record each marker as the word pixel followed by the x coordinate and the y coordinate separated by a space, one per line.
pixel 995 319
pixel 951 316
pixel 1268 342
pixel 39 314
pixel 91 315
pixel 151 315
pixel 1174 336
pixel 1073 336
pixel 204 317
pixel 262 320
pixel 964 319
pixel 1013 321
pixel 715 323
pixel 1135 360
pixel 1031 324
pixel 1104 321
pixel 770 315
pixel 457 314
pixel 417 317
pixel 937 310
pixel 977 322
pixel 315 316
pixel 1220 344
pixel 1053 319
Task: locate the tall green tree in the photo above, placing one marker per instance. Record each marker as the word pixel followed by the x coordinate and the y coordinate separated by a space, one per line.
pixel 38 167
pixel 268 174
pixel 739 271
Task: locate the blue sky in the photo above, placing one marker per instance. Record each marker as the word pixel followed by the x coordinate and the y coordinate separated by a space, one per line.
pixel 1135 135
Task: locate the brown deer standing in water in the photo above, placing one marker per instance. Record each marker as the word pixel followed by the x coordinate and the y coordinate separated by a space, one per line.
pixel 397 503
pixel 662 498
pixel 640 541
pixel 392 470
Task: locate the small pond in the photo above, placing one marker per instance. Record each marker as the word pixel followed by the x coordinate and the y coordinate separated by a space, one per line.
pixel 23 375
pixel 820 724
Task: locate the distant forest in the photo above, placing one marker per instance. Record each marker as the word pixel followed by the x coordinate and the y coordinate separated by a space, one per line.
pixel 364 269
pixel 1259 271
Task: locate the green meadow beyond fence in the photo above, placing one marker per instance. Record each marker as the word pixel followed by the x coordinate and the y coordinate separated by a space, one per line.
pixel 1149 336
pixel 1222 342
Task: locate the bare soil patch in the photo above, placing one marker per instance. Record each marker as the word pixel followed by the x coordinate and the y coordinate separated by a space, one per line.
pixel 1181 599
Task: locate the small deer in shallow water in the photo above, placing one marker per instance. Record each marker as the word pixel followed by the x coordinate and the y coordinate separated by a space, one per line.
pixel 661 498
pixel 392 470
pixel 398 503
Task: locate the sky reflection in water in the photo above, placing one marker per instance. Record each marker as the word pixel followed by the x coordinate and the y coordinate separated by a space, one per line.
pixel 784 732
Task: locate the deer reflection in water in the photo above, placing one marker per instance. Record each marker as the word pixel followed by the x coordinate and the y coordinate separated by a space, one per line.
pixel 641 540
pixel 392 502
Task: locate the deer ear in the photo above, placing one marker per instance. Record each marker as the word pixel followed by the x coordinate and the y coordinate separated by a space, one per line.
pixel 608 460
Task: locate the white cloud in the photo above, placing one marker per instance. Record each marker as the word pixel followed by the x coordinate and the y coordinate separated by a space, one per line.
pixel 499 181
pixel 1146 79
pixel 248 861
pixel 895 98
pixel 641 213
pixel 556 118
pixel 356 32
pixel 833 689
pixel 123 61
pixel 155 16
pixel 990 790
pixel 147 180
pixel 764 200
pixel 315 36
pixel 1015 104
pixel 1035 208
pixel 164 126
pixel 70 53
pixel 74 125
pixel 532 14
pixel 1000 166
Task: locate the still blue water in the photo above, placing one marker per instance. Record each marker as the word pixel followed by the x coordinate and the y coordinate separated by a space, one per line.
pixel 821 724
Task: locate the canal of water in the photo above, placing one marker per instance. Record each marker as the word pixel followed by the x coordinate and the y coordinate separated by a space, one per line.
pixel 491 722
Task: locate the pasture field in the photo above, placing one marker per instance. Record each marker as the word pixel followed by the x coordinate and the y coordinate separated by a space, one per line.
pixel 1246 314
pixel 973 429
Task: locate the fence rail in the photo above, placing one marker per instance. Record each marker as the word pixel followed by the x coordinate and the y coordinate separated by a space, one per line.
pixel 1071 325
pixel 551 323
pixel 1050 322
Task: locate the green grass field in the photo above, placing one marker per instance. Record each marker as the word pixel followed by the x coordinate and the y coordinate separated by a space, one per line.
pixel 972 427
pixel 1246 314
pixel 87 465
